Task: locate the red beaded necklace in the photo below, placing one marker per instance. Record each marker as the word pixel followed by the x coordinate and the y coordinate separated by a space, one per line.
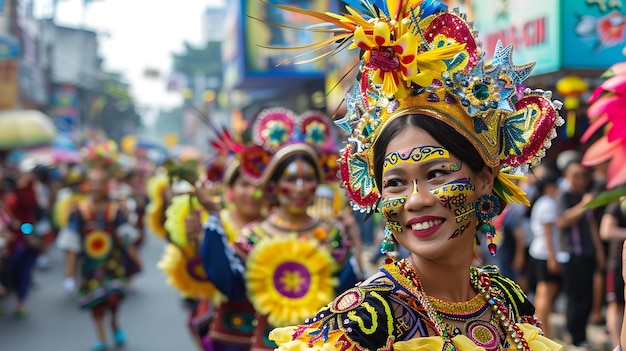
pixel 481 282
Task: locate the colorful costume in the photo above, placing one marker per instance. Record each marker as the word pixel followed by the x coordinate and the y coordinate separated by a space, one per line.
pixel 100 238
pixel 421 60
pixel 233 320
pixel 284 276
pixel 386 313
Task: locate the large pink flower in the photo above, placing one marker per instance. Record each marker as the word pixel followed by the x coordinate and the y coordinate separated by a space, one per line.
pixel 608 106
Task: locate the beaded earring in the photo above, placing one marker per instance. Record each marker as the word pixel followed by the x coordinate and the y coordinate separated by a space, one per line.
pixel 387 246
pixel 487 207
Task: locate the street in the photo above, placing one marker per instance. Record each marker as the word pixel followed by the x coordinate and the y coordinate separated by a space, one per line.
pixel 153 315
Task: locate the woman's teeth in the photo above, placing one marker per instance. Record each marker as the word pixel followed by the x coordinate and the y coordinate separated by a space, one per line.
pixel 426 225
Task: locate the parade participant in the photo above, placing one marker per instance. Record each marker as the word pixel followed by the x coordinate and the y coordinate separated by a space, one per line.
pixel 230 321
pixel 96 239
pixel 435 134
pixel 289 264
pixel 181 261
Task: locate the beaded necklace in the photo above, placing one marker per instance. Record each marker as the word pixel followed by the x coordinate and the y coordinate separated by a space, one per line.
pixel 481 282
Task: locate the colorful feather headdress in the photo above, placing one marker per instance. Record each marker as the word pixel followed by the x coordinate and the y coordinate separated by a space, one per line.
pixel 228 149
pixel 278 133
pixel 419 58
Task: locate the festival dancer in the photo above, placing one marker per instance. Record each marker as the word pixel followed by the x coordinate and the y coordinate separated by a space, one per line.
pixel 435 136
pixel 289 264
pixel 216 322
pixel 96 239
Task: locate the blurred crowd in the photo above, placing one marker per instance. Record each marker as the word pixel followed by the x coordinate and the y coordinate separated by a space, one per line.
pixel 36 203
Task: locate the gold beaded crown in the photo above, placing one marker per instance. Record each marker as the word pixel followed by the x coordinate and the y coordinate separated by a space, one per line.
pixel 420 58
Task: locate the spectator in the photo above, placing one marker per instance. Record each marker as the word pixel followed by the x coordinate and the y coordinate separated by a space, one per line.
pixel 579 238
pixel 544 249
pixel 613 229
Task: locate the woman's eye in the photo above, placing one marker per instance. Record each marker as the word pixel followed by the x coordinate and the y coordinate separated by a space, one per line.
pixel 392 183
pixel 437 173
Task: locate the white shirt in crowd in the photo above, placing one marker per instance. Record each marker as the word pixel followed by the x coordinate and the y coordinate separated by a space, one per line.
pixel 543 212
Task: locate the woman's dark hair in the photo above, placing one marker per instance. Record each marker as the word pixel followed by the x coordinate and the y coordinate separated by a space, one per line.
pixel 447 136
pixel 280 169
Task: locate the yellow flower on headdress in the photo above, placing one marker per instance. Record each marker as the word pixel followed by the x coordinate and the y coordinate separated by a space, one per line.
pixel 289 279
pixel 187 275
pixel 392 51
pixel 98 244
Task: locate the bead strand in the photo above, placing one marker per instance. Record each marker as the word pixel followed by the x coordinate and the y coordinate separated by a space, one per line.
pixel 482 283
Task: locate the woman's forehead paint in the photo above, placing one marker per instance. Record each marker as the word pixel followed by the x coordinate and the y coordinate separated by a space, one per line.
pixel 415 155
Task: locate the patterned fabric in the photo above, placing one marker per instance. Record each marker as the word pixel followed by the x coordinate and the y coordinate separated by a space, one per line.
pixel 383 311
pixel 102 256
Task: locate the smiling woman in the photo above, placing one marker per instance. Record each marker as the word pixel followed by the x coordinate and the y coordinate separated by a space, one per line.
pixel 436 138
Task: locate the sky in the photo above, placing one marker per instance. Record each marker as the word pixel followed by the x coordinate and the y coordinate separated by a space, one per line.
pixel 136 35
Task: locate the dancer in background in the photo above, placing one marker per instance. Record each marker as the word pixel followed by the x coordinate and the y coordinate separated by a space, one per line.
pixel 95 240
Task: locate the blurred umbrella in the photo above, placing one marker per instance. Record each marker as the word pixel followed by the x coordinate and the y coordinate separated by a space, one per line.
pixel 145 145
pixel 64 142
pixel 46 155
pixel 25 128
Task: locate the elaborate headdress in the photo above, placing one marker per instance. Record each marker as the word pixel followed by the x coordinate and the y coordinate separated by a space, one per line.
pixel 278 133
pixel 225 164
pixel 418 58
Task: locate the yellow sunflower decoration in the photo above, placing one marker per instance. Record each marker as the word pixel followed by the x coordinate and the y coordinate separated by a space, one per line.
pixel 289 279
pixel 175 216
pixel 156 185
pixel 63 207
pixel 187 275
pixel 98 244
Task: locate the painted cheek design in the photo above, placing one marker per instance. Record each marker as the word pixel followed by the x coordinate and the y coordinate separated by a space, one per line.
pixel 455 167
pixel 459 230
pixel 415 155
pixel 454 196
pixel 391 207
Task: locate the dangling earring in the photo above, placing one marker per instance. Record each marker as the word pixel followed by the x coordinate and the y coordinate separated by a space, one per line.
pixel 387 246
pixel 487 207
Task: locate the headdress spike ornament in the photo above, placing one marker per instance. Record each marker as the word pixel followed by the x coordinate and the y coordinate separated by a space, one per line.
pixel 420 58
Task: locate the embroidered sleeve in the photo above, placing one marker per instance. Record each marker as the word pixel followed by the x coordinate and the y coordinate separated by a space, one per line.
pixel 359 319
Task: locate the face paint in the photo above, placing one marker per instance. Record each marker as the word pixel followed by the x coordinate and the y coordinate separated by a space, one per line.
pixel 296 186
pixel 459 230
pixel 454 196
pixel 415 155
pixel 455 167
pixel 391 207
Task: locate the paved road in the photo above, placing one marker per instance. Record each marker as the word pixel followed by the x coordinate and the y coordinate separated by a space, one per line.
pixel 153 315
